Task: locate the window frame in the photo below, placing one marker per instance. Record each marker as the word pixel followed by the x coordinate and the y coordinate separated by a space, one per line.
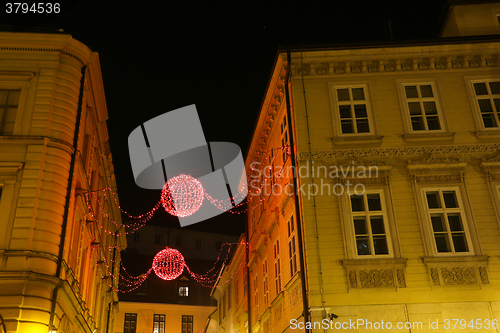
pixel 467 220
pixel 183 284
pixel 17 81
pixel 130 330
pixel 335 103
pixel 285 139
pixel 277 267
pixel 405 111
pixel 292 245
pixel 159 321
pixel 389 224
pixel 265 279
pixel 476 111
pixel 185 320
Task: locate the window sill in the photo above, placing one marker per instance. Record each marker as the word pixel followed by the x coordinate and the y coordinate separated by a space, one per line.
pixel 493 134
pixel 375 273
pixel 429 136
pixel 457 270
pixel 357 139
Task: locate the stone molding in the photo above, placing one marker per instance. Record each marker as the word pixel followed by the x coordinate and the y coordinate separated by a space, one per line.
pixel 435 169
pixel 403 151
pixel 375 273
pixel 419 60
pixel 448 271
pixel 491 167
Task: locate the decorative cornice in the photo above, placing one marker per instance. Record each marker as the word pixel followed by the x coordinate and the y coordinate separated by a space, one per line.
pixel 491 166
pixel 404 151
pixel 436 165
pixel 390 61
pixel 435 160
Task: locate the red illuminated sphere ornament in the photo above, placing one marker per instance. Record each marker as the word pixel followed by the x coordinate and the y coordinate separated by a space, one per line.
pixel 182 195
pixel 168 264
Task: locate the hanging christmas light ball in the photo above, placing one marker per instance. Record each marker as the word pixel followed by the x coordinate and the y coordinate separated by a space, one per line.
pixel 168 264
pixel 182 195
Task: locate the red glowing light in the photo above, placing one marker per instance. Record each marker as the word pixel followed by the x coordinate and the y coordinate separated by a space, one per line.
pixel 182 195
pixel 168 264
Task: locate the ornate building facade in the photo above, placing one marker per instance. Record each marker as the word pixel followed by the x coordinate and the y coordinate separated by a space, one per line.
pixel 56 259
pixel 393 217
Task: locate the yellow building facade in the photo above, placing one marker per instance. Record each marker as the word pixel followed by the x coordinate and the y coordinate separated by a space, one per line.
pixel 56 260
pixel 395 224
pixel 160 317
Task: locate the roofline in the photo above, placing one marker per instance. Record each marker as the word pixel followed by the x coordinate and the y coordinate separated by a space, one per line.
pixel 382 44
pixel 269 80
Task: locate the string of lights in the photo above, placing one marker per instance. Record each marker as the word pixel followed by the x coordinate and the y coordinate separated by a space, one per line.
pixel 168 264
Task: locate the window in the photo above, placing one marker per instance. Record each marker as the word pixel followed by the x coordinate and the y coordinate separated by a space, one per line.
pixel 183 286
pixel 487 99
pixel 422 107
pixel 352 110
pixel 9 100
pixel 284 138
pixel 292 253
pixel 266 283
pixel 270 175
pixel 187 324
pixel 159 324
pixel 157 239
pixel 444 211
pixel 184 291
pixel 198 244
pixel 369 221
pixel 277 267
pixel 130 324
pixel 137 237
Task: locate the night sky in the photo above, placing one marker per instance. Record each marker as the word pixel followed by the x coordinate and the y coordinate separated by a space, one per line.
pixel 157 57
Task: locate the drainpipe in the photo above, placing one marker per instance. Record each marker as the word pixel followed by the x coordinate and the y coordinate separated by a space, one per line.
pixel 305 301
pixel 247 258
pixel 68 197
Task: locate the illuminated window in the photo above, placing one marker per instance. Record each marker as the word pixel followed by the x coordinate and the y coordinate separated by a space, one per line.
pixel 9 101
pixel 159 324
pixel 422 107
pixel 187 324
pixel 352 112
pixel 184 291
pixel 130 324
pixel 370 224
pixel 445 213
